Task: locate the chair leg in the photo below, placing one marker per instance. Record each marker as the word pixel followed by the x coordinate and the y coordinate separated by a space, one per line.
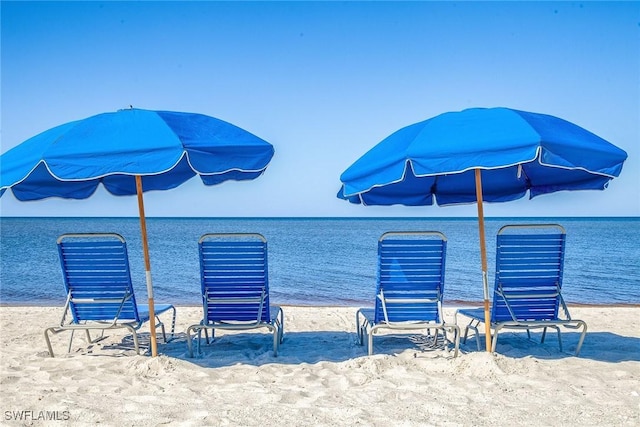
pixel 281 328
pixel 134 333
pixel 370 342
pixel 476 333
pixel 433 337
pixel 92 340
pixel 544 334
pixel 160 324
pixel 456 339
pixel 173 322
pixel 279 324
pixel 276 340
pixel 206 336
pixel 494 341
pixel 281 331
pixel 358 328
pixel 582 335
pixel 466 331
pixel 559 338
pixel 48 340
pixel 71 340
pixel 364 327
pixel 366 331
pixel 189 339
pixel 164 333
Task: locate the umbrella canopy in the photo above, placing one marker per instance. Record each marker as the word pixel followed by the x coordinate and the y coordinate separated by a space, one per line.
pixel 481 154
pixel 524 152
pixel 165 148
pixel 128 152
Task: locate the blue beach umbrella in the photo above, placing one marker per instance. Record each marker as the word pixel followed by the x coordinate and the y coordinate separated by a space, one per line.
pixel 128 152
pixel 478 155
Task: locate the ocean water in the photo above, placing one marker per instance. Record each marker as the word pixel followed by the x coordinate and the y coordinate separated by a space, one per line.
pixel 316 261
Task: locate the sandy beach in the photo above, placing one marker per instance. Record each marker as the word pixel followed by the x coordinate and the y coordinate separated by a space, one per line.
pixel 321 376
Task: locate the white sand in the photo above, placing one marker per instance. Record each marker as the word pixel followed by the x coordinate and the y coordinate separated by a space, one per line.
pixel 321 376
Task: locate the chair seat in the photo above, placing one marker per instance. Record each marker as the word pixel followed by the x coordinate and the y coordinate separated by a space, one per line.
pixel 234 286
pixel 143 310
pixel 100 293
pixel 528 283
pixel 409 288
pixel 475 313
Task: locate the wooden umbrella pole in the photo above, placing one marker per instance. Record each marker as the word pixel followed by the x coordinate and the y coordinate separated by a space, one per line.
pixel 147 266
pixel 483 258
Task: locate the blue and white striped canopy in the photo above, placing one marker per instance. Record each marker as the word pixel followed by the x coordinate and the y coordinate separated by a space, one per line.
pixel 517 152
pixel 164 148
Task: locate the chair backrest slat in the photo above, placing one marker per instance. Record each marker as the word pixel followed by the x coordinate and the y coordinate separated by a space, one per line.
pixel 529 270
pixel 97 277
pixel 234 277
pixel 410 276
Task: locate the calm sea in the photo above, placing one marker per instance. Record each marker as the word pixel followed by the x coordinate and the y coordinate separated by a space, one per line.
pixel 316 261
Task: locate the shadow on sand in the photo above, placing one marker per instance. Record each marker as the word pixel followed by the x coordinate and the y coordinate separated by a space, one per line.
pixel 600 346
pixel 255 348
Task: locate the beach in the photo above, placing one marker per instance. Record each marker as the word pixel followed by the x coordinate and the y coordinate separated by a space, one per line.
pixel 321 375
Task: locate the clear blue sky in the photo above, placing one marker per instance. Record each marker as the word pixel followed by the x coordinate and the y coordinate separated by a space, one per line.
pixel 323 82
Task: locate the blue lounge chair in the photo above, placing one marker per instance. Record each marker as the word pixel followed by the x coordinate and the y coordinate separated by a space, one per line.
pixel 528 284
pixel 235 287
pixel 410 287
pixel 100 296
